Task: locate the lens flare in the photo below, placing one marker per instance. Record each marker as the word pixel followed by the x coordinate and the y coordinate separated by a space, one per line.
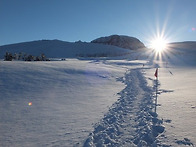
pixel 159 48
pixel 158 44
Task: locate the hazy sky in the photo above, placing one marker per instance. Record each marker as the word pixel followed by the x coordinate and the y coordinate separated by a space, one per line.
pixel 72 20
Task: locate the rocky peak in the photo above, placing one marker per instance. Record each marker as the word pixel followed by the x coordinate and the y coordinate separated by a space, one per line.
pixel 120 41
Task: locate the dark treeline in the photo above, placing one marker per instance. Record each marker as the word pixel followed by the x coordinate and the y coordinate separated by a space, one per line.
pixel 24 57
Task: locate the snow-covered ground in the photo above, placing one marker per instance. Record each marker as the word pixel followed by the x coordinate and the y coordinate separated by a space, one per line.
pixel 99 102
pixel 177 104
pixel 131 121
pixel 67 98
pixel 176 99
pixel 176 109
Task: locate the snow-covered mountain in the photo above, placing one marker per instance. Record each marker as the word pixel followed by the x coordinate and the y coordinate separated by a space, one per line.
pixel 120 41
pixel 62 49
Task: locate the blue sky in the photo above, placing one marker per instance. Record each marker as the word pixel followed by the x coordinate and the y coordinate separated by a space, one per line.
pixel 72 20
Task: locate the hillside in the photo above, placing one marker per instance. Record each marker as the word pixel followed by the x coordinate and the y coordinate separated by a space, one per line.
pixel 62 49
pixel 184 52
pixel 121 41
pixel 185 45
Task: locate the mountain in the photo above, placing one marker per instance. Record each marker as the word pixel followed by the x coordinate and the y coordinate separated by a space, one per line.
pixel 120 41
pixel 62 49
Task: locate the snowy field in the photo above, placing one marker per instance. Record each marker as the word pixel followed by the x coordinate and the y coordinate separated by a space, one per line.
pixel 177 104
pixel 176 96
pixel 67 98
pixel 99 102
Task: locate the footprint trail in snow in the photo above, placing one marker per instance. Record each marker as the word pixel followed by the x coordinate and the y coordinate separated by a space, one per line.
pixel 130 121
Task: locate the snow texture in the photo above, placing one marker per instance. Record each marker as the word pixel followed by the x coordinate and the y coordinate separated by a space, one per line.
pixel 131 121
pixel 67 98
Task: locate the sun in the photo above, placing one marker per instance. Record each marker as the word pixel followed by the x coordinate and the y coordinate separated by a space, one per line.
pixel 159 44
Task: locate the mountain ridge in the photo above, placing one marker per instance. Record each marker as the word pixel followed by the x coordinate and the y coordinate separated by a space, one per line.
pixel 62 49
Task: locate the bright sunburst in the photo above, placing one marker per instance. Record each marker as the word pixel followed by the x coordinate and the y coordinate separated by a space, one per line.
pixel 159 44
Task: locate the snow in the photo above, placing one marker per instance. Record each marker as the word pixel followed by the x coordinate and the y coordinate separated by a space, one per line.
pixel 100 101
pixel 131 120
pixel 62 49
pixel 67 98
pixel 177 103
pixel 176 99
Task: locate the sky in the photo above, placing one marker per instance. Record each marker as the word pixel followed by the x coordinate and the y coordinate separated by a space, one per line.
pixel 86 20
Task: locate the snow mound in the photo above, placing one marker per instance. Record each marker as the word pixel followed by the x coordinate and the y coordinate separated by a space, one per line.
pixel 121 41
pixel 131 121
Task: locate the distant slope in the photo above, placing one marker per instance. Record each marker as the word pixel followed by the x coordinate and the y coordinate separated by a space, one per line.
pixel 186 46
pixel 121 41
pixel 183 45
pixel 183 53
pixel 62 49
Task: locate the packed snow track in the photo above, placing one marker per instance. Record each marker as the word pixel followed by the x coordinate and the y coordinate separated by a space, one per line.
pixel 131 121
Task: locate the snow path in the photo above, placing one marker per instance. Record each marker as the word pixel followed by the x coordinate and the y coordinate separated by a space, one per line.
pixel 131 120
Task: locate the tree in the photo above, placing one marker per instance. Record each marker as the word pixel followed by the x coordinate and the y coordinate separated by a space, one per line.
pixel 30 58
pixel 43 57
pixel 8 56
